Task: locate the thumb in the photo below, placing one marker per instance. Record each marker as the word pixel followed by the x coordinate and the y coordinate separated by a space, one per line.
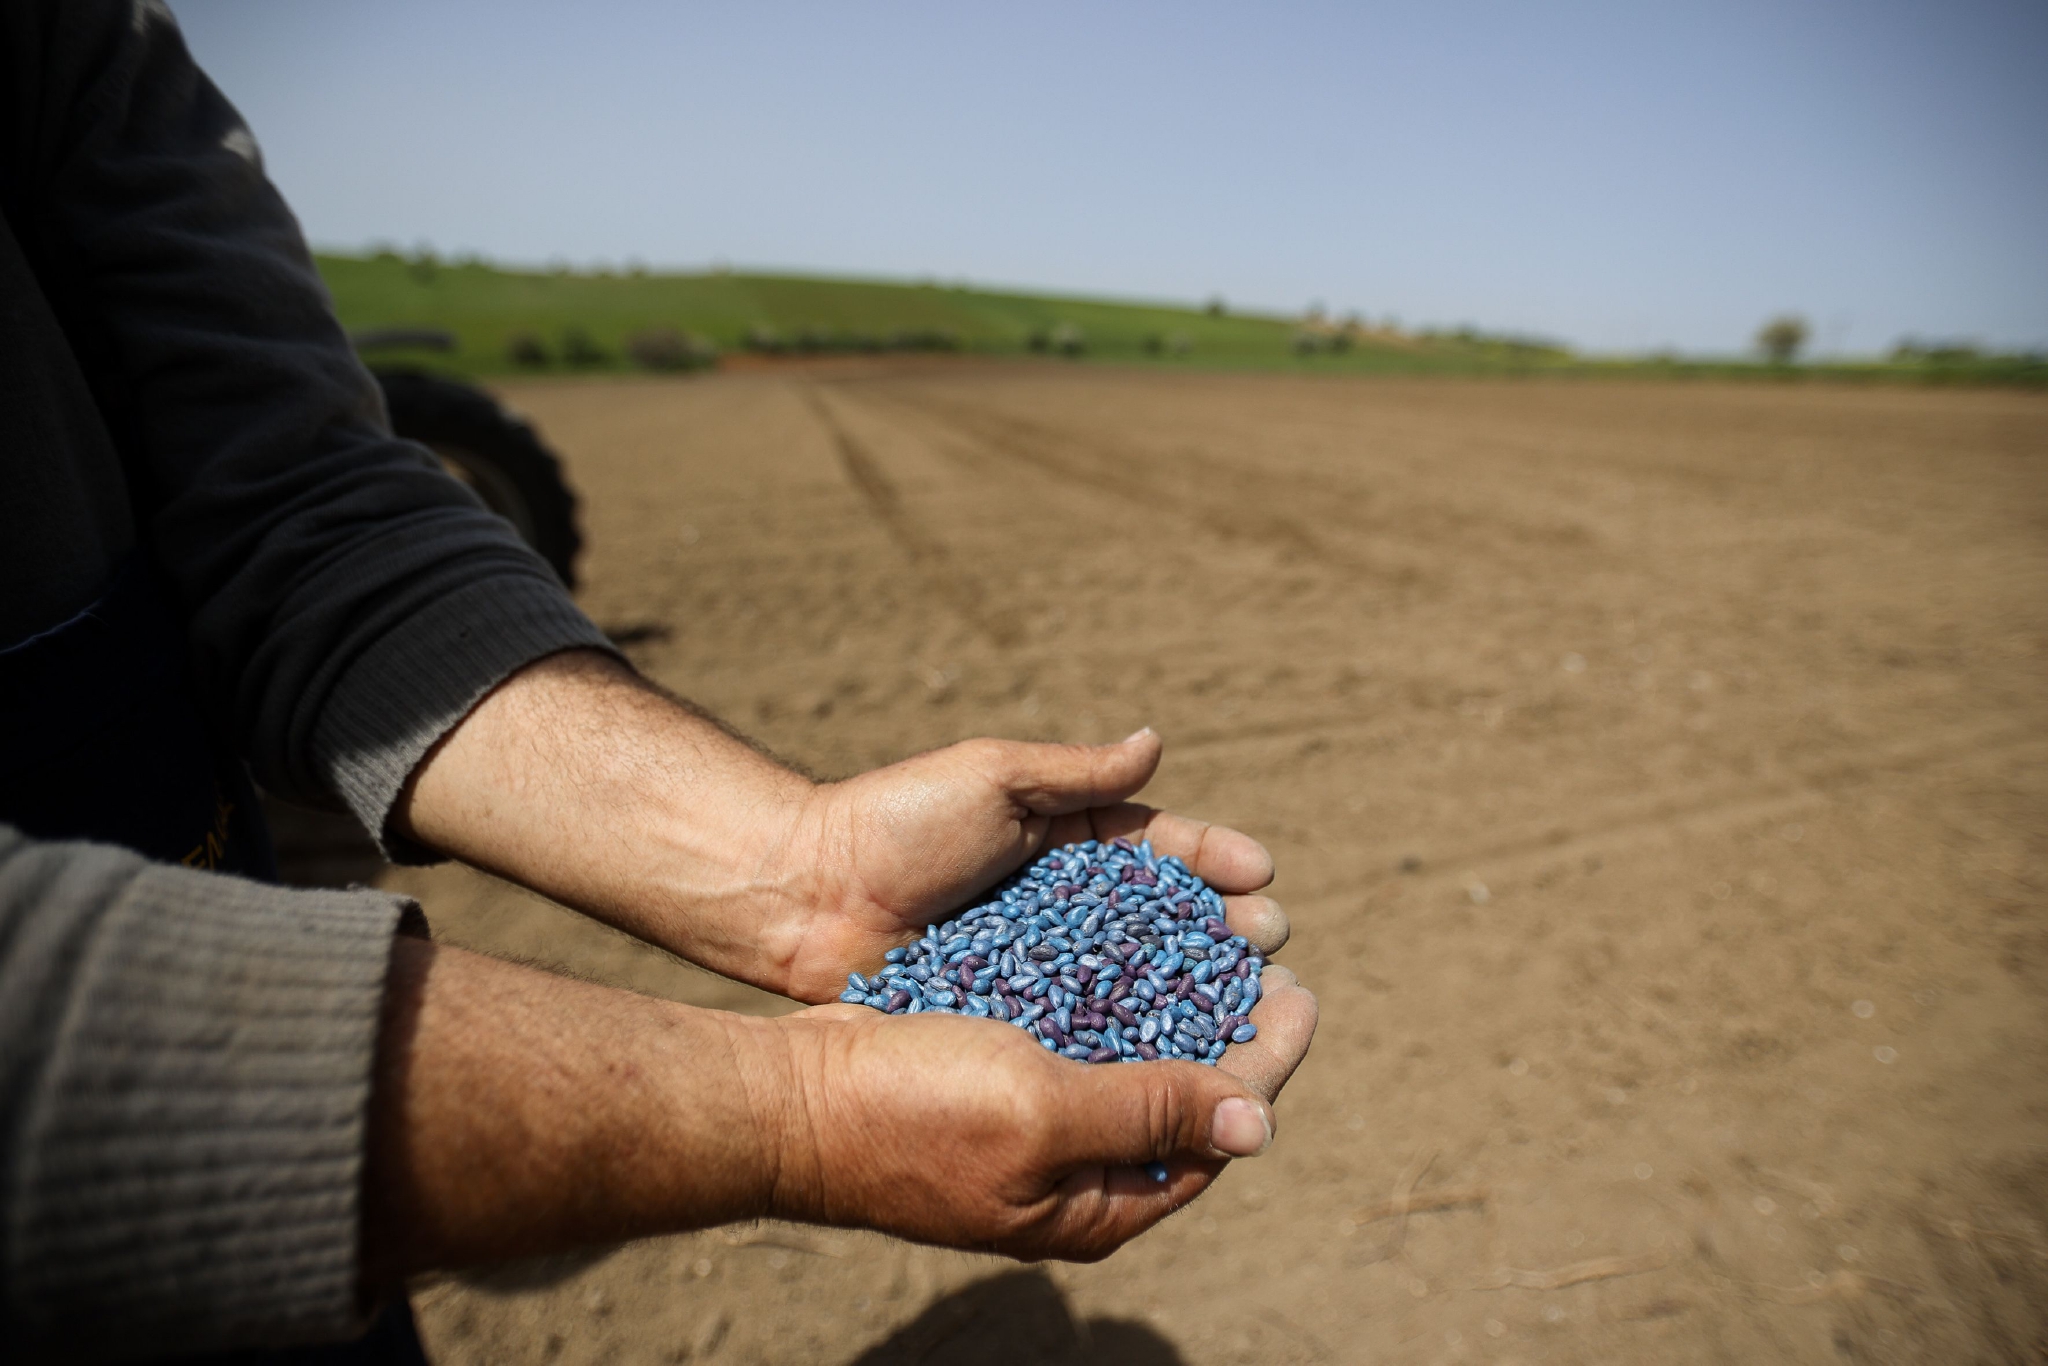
pixel 1120 1114
pixel 1052 780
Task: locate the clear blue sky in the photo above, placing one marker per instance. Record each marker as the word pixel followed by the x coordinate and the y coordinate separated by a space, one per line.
pixel 1625 176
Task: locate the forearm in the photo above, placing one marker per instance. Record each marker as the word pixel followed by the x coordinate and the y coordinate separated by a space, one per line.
pixel 517 1113
pixel 580 780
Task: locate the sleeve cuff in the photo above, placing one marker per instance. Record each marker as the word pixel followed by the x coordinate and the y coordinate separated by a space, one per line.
pixel 410 688
pixel 191 1167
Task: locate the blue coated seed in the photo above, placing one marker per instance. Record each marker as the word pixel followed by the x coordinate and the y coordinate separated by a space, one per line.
pixel 852 997
pixel 1244 1033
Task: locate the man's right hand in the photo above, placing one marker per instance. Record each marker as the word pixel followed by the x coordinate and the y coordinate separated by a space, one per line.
pixel 968 1133
pixel 517 1113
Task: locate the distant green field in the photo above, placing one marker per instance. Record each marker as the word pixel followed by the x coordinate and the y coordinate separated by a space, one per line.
pixel 487 308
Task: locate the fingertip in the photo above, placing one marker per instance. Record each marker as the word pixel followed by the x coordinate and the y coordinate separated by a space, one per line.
pixel 1260 920
pixel 1286 1017
pixel 1278 977
pixel 1140 750
pixel 1241 1127
pixel 1286 1007
pixel 1233 862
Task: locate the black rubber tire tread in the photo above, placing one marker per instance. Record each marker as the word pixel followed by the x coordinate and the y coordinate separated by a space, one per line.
pixel 441 412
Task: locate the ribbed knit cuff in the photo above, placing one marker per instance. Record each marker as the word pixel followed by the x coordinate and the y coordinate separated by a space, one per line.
pixel 425 675
pixel 190 1173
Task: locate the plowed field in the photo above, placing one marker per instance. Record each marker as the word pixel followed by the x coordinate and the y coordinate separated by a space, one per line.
pixel 1658 777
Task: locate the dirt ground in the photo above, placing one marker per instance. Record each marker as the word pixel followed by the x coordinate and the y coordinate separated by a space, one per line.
pixel 1658 777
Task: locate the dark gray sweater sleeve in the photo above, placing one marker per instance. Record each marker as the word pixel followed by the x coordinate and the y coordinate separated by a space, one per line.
pixel 185 1058
pixel 348 600
pixel 185 1064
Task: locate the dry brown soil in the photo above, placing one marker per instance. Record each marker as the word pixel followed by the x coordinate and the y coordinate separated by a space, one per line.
pixel 1658 777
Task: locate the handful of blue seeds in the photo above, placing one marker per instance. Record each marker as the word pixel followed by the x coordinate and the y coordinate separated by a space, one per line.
pixel 1104 951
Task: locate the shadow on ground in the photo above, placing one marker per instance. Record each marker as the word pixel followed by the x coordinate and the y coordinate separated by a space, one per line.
pixel 1019 1317
pixel 532 1273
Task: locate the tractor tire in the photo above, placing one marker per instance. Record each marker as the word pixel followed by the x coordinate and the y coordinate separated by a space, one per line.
pixel 496 454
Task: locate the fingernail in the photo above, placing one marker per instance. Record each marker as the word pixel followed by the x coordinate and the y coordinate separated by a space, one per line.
pixel 1240 1128
pixel 1137 734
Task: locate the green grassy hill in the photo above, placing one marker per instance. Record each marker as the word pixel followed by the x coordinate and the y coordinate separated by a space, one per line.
pixel 487 308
